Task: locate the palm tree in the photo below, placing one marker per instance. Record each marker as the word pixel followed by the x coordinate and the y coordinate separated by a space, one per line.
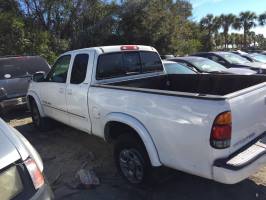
pixel 260 40
pixel 226 21
pixel 262 19
pixel 246 21
pixel 209 23
pixel 253 38
pixel 238 41
pixel 233 39
pixel 218 40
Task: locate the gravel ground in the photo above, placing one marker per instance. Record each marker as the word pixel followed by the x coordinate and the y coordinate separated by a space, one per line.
pixel 65 150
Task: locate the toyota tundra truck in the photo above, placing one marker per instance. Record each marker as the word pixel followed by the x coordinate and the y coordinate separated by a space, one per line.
pixel 208 125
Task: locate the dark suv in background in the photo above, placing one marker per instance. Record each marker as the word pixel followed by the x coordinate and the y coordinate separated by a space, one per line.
pixel 15 74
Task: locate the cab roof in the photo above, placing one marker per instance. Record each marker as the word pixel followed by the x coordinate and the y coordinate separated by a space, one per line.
pixel 116 48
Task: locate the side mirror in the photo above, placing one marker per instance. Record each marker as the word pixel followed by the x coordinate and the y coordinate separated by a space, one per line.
pixel 38 76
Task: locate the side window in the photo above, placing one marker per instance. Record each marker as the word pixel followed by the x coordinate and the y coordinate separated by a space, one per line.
pixel 79 69
pixel 151 62
pixel 217 59
pixel 110 65
pixel 214 58
pixel 184 63
pixel 59 71
pixel 132 62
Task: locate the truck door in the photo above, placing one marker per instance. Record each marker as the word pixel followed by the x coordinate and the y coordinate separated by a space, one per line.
pixel 53 90
pixel 77 91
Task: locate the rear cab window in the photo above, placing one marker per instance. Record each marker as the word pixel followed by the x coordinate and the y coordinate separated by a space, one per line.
pixel 119 64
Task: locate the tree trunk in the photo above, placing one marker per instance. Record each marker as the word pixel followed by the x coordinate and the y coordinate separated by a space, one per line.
pixel 245 39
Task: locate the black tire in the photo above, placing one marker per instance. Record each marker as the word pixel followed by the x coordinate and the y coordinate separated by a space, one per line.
pixel 39 122
pixel 128 144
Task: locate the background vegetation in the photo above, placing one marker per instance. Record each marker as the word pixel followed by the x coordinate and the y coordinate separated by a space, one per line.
pixel 50 27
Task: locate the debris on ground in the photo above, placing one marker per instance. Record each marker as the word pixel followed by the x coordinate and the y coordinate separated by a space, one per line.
pixel 85 179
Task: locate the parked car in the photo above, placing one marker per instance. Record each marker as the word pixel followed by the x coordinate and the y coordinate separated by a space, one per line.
pixel 255 57
pixel 239 52
pixel 167 56
pixel 231 60
pixel 171 67
pixel 15 75
pixel 208 125
pixel 20 168
pixel 204 65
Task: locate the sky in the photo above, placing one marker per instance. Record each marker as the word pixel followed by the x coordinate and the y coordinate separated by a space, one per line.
pixel 216 7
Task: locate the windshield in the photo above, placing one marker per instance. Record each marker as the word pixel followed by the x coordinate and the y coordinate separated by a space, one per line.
pixel 258 57
pixel 175 68
pixel 206 65
pixel 234 58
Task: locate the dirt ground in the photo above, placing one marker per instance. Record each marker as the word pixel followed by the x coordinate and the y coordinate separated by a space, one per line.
pixel 65 150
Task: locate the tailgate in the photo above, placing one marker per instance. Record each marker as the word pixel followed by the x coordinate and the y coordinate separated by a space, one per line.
pixel 248 116
pixel 15 87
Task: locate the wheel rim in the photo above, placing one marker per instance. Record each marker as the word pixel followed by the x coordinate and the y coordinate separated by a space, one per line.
pixel 131 164
pixel 35 116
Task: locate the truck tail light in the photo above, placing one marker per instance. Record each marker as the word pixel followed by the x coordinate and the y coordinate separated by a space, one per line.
pixel 221 131
pixel 35 173
pixel 129 47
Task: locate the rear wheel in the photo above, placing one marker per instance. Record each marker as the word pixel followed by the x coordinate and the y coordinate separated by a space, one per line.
pixel 132 160
pixel 41 123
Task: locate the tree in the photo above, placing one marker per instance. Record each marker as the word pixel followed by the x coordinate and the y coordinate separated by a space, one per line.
pixel 210 24
pixel 218 40
pixel 252 38
pixel 226 21
pixel 262 19
pixel 261 41
pixel 246 21
pixel 163 24
pixel 12 33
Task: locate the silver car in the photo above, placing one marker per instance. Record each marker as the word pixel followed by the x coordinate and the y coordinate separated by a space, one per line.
pixel 15 75
pixel 21 168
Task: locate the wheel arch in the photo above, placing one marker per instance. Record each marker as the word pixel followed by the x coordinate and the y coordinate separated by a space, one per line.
pixel 32 96
pixel 131 122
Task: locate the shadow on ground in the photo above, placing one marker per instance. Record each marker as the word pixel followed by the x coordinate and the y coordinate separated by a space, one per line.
pixel 65 150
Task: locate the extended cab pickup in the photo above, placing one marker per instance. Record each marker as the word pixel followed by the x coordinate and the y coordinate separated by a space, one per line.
pixel 208 125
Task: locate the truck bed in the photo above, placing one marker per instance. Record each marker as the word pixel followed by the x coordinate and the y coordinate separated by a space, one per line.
pixel 203 84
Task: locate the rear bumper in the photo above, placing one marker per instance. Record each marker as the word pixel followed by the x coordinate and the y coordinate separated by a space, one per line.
pixel 13 102
pixel 44 193
pixel 241 165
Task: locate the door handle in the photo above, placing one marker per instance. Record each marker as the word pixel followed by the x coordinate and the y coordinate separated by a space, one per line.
pixel 61 90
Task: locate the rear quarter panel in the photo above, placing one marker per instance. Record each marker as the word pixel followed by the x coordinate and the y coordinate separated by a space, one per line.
pixel 180 127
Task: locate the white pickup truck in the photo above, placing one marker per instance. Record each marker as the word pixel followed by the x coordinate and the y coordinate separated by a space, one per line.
pixel 208 125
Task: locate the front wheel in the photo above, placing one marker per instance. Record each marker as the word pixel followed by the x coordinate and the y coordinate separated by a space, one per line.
pixel 41 123
pixel 132 160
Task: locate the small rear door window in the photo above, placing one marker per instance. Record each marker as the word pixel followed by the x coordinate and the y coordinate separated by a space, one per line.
pixel 151 62
pixel 79 69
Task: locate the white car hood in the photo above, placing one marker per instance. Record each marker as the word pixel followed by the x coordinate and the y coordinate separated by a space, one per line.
pixel 8 152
